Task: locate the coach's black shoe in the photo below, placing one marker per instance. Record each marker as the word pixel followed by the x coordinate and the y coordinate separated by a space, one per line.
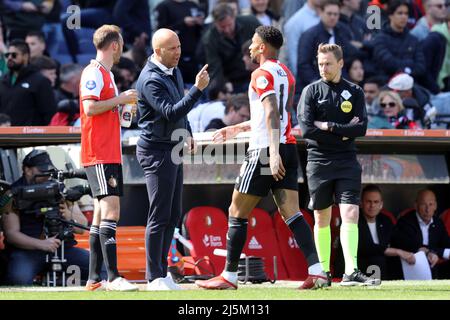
pixel 357 278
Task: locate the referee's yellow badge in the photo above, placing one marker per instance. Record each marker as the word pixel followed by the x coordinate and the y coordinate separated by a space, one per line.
pixel 346 106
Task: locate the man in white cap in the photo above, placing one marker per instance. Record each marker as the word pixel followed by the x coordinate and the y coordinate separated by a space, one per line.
pixel 416 99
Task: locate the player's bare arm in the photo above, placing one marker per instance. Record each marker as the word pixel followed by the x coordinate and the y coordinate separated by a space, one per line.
pixel 273 126
pixel 95 107
pixel 230 132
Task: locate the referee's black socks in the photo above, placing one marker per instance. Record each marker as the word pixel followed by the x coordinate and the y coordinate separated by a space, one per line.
pixel 304 237
pixel 236 237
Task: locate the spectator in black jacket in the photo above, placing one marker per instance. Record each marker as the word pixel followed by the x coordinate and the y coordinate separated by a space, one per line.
pixel 67 104
pixel 47 66
pixel 186 19
pixel 222 44
pixel 21 17
pixel 395 49
pixel 420 230
pixel 357 26
pixel 375 230
pixel 328 30
pixel 133 17
pixel 25 94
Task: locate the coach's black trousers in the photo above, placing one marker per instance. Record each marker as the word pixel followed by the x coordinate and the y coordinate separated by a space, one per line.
pixel 164 181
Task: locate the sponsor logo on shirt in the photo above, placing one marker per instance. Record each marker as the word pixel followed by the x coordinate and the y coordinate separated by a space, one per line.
pixel 90 84
pixel 262 82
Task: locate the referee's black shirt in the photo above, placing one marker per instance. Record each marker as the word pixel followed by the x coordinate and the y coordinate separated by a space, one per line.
pixel 337 104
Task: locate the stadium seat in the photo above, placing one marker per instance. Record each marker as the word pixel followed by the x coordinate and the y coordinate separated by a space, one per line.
pixel 445 216
pixel 85 58
pixel 293 258
pixel 206 228
pixel 85 44
pixel 389 214
pixel 405 211
pixel 262 242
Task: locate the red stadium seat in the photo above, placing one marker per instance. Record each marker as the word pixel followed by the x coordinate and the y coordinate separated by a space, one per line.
pixel 206 228
pixel 389 214
pixel 445 216
pixel 293 258
pixel 406 211
pixel 262 242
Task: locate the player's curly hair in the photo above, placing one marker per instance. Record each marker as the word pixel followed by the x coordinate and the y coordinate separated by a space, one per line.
pixel 270 35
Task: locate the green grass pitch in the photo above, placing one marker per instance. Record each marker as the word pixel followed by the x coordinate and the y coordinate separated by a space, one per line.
pixel 281 290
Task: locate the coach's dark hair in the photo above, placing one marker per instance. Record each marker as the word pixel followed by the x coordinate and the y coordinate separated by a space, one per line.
pixel 393 5
pixel 370 188
pixel 221 11
pixel 21 45
pixel 326 3
pixel 270 35
pixel 105 35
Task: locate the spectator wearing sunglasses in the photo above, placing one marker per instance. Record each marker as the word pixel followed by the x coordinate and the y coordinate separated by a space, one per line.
pixel 393 110
pixel 435 13
pixel 25 94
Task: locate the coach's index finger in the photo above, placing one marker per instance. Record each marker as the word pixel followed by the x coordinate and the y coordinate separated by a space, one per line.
pixel 204 68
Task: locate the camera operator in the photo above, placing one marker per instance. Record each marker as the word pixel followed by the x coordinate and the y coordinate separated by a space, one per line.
pixel 24 232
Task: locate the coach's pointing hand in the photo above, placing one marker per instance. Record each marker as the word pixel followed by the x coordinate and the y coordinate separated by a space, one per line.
pixel 202 78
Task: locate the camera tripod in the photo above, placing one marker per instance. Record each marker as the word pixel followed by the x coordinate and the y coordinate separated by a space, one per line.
pixel 57 260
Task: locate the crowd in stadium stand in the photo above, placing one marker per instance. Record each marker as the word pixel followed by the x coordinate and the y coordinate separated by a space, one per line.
pixel 398 52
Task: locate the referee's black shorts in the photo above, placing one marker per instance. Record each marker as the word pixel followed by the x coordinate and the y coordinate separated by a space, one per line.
pixel 255 177
pixel 105 179
pixel 333 181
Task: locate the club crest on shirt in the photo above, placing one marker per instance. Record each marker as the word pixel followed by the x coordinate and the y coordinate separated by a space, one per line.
pixel 261 82
pixel 90 84
pixel 112 182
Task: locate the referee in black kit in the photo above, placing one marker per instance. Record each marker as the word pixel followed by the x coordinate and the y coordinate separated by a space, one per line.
pixel 331 114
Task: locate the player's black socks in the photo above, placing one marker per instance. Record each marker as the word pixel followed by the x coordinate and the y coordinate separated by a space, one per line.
pixel 304 237
pixel 109 249
pixel 236 236
pixel 95 254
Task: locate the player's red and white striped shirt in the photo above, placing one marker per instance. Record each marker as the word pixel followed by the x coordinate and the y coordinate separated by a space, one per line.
pixel 100 134
pixel 272 77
